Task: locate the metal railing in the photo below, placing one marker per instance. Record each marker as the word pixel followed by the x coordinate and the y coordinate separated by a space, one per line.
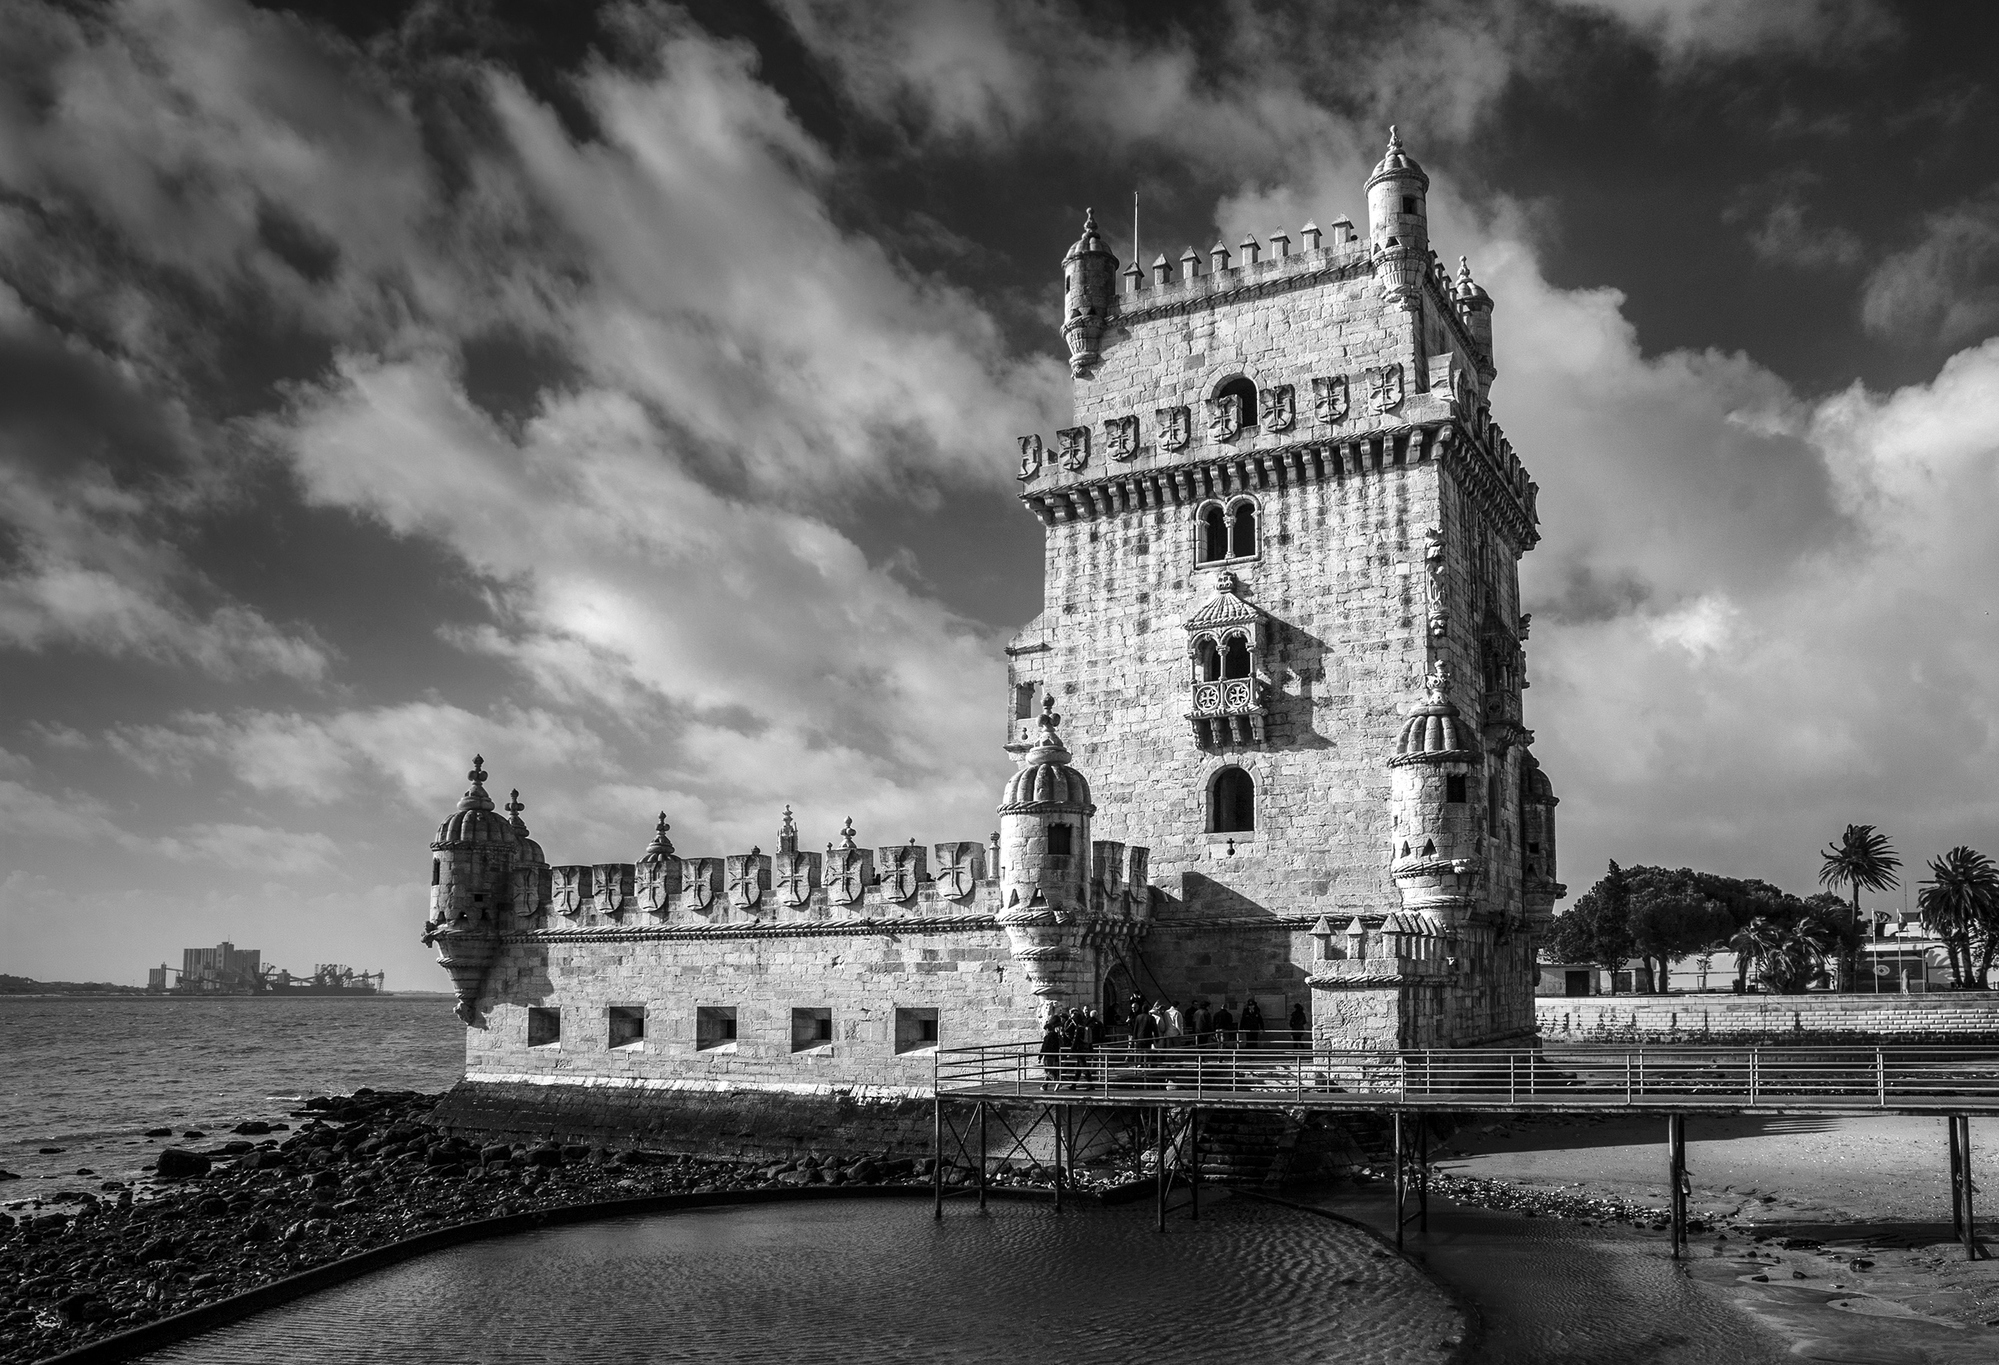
pixel 1954 1080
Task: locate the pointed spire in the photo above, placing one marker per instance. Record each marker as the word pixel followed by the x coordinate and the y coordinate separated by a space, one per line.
pixel 475 797
pixel 787 834
pixel 661 846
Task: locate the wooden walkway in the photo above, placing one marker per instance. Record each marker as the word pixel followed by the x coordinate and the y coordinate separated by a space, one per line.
pixel 1169 1087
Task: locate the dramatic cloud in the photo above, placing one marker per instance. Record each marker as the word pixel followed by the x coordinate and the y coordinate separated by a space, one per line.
pixel 1946 286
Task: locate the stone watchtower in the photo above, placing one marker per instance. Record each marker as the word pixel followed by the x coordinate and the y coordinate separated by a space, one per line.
pixel 1282 603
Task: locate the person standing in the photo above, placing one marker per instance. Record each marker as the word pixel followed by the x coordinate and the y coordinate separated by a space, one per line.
pixel 1299 1025
pixel 1051 1049
pixel 1252 1023
pixel 1203 1023
pixel 1225 1026
pixel 1176 1025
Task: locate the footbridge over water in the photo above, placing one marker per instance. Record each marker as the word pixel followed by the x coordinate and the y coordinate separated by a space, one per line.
pixel 1160 1095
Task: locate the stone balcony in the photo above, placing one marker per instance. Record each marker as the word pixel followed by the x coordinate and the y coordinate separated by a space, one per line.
pixel 1229 710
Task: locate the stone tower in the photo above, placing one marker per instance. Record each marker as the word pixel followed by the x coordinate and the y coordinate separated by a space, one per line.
pixel 1281 546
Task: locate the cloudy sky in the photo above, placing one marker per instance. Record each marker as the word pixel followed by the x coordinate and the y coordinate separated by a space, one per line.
pixel 628 393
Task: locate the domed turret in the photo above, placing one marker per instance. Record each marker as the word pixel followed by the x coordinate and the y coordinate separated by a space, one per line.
pixel 1436 807
pixel 1089 286
pixel 1398 218
pixel 1538 888
pixel 1045 867
pixel 1475 308
pixel 471 868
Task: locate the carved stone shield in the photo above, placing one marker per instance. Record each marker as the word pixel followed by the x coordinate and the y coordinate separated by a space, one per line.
pixel 655 883
pixel 1030 457
pixel 749 878
pixel 613 884
pixel 848 872
pixel 797 877
pixel 1225 416
pixel 1175 426
pixel 1121 437
pixel 1280 408
pixel 568 889
pixel 1075 447
pixel 901 870
pixel 1107 865
pixel 1137 872
pixel 704 883
pixel 960 869
pixel 1386 384
pixel 1329 399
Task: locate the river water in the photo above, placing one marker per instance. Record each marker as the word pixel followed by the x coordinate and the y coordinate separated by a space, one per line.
pixel 91 1075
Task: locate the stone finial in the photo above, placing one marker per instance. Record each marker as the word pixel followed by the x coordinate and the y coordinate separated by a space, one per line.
pixel 1250 250
pixel 661 846
pixel 1437 683
pixel 1162 270
pixel 514 809
pixel 1219 255
pixel 1280 242
pixel 1310 233
pixel 475 797
pixel 1343 230
pixel 847 835
pixel 1190 264
pixel 787 834
pixel 1134 278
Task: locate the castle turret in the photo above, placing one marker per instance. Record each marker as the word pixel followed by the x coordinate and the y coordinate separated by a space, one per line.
pixel 471 864
pixel 1437 820
pixel 1045 868
pixel 1398 216
pixel 1089 285
pixel 1539 888
pixel 1475 308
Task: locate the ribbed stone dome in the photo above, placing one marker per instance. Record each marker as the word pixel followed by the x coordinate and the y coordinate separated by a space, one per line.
pixel 1436 731
pixel 475 821
pixel 1045 777
pixel 1397 162
pixel 1535 788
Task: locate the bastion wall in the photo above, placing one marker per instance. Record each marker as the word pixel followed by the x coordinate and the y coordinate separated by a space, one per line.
pixel 1796 1019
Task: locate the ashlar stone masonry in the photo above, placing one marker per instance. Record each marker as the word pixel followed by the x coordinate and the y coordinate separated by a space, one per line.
pixel 1281 625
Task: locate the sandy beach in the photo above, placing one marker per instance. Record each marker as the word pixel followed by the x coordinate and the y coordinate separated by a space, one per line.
pixel 1834 1231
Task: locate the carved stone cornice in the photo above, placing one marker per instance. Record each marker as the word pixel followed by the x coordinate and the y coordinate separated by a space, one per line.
pixel 699 933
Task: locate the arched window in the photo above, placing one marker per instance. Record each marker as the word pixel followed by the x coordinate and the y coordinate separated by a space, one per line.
pixel 1245 390
pixel 1213 535
pixel 1235 658
pixel 1207 660
pixel 436 869
pixel 1232 803
pixel 1242 529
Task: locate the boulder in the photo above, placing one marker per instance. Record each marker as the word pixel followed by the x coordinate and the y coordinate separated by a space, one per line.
pixel 159 1132
pixel 253 1128
pixel 177 1164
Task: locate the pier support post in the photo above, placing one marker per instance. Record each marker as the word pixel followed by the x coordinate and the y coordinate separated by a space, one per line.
pixel 1400 1183
pixel 1194 1162
pixel 1962 1214
pixel 982 1156
pixel 937 1161
pixel 1058 1120
pixel 1676 1171
pixel 1423 1173
pixel 1159 1132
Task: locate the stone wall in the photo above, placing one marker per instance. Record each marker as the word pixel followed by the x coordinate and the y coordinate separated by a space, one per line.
pixel 1810 1018
pixel 861 975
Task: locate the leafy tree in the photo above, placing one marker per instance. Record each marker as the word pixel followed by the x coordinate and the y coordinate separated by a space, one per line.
pixel 1671 917
pixel 1597 928
pixel 1960 902
pixel 1792 954
pixel 1861 858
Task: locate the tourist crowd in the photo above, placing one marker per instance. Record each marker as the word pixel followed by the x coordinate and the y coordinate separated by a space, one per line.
pixel 1070 1037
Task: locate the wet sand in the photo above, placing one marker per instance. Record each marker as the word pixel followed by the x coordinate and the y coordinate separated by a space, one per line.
pixel 1834 1232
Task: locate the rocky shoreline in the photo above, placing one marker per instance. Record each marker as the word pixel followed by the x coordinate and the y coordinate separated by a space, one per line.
pixel 357 1172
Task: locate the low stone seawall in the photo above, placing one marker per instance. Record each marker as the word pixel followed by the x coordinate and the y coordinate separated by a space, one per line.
pixel 1959 1017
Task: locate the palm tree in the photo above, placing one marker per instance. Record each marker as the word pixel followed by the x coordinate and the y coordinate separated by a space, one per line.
pixel 1862 857
pixel 1961 899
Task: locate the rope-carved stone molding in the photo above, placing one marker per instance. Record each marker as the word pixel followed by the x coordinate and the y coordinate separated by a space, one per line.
pixel 936 924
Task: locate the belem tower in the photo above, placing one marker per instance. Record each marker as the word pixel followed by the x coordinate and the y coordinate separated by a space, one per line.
pixel 1267 729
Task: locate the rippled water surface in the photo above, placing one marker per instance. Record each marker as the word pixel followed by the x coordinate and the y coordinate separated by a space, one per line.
pixel 877 1282
pixel 91 1075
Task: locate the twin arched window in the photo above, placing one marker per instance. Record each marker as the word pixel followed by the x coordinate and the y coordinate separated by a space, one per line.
pixel 1226 532
pixel 1216 660
pixel 1231 803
